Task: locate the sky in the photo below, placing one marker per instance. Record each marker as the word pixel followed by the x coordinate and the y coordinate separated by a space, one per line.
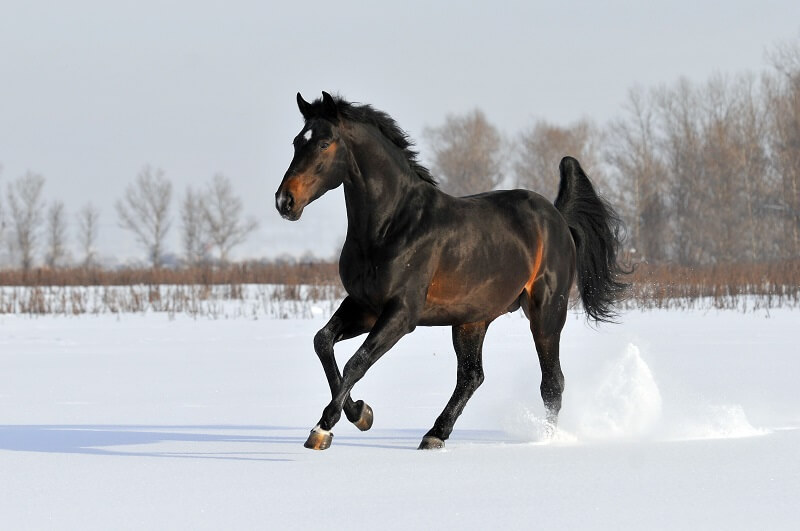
pixel 92 91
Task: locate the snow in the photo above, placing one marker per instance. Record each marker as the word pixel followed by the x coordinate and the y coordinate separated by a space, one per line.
pixel 671 420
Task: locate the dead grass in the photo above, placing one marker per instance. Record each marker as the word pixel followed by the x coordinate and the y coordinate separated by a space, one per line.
pixel 725 286
pixel 318 273
pixel 288 291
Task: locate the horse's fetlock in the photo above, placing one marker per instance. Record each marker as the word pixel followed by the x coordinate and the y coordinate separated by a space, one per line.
pixel 330 416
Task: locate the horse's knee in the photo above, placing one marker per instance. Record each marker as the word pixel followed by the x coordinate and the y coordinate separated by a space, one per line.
pixel 323 342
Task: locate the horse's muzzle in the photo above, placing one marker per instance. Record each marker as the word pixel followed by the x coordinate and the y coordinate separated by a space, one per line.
pixel 285 203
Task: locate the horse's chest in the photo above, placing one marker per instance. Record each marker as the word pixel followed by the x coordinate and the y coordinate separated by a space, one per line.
pixel 369 281
pixel 377 277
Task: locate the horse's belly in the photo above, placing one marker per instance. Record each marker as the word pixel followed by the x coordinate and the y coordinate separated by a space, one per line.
pixel 469 304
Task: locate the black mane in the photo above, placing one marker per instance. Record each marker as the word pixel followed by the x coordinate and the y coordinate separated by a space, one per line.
pixel 366 114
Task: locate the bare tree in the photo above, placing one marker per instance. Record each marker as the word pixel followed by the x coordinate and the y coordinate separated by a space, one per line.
pixel 467 156
pixel 641 176
pixel 144 210
pixel 88 222
pixel 3 226
pixel 24 200
pixel 2 213
pixel 693 163
pixel 222 212
pixel 56 235
pixel 783 95
pixel 736 164
pixel 540 149
pixel 194 229
pixel 681 141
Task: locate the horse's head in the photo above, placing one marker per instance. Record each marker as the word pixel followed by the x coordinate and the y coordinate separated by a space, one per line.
pixel 320 158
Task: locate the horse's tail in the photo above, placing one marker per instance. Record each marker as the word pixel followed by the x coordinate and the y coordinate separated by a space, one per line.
pixel 597 231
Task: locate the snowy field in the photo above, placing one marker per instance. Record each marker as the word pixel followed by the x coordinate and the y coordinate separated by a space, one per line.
pixel 671 420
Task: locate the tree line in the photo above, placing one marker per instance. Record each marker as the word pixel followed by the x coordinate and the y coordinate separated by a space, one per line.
pixel 701 173
pixel 212 222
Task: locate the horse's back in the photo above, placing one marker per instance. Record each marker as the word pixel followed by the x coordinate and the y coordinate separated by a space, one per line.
pixel 528 213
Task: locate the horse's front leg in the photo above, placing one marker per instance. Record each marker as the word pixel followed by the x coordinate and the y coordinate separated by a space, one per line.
pixel 350 320
pixel 395 321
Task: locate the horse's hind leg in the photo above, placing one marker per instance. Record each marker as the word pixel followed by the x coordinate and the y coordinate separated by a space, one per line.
pixel 348 321
pixel 468 343
pixel 548 313
pixel 552 386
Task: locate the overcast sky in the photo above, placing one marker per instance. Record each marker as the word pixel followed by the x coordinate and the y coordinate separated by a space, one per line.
pixel 91 91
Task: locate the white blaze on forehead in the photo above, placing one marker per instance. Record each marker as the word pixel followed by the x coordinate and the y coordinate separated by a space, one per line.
pixel 307 135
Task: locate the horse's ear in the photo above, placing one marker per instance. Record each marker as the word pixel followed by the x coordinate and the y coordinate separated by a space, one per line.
pixel 329 106
pixel 304 106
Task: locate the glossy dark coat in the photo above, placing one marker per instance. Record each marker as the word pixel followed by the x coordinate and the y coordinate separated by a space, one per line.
pixel 415 255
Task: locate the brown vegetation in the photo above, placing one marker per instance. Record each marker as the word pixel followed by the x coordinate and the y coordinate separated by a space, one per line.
pixel 317 273
pixel 242 291
pixel 305 290
pixel 727 286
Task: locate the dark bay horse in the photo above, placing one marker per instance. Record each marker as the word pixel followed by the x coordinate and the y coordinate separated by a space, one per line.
pixel 415 255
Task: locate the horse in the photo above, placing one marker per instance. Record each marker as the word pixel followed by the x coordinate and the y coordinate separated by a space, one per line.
pixel 416 256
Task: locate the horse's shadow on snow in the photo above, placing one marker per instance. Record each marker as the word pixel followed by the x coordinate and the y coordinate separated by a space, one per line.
pixel 237 443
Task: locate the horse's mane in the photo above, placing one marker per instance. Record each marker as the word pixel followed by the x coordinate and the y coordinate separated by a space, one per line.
pixel 366 114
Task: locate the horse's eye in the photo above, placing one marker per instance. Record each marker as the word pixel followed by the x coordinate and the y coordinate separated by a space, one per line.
pixel 323 146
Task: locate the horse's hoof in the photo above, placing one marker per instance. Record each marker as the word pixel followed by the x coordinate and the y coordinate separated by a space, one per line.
pixel 364 422
pixel 319 439
pixel 429 442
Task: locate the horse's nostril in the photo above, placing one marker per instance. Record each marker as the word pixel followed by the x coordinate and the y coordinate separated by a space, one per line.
pixel 284 202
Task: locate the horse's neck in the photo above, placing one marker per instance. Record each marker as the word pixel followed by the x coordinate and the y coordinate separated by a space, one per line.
pixel 379 192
